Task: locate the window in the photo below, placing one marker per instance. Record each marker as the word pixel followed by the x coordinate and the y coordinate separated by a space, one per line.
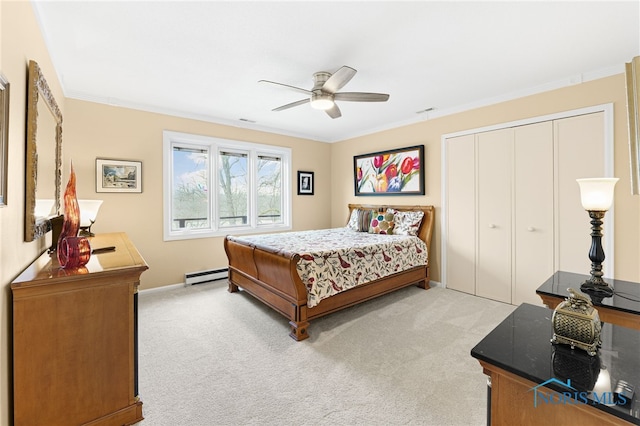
pixel 215 187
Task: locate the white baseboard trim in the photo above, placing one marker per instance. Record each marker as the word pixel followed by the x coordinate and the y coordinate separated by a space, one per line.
pixel 161 288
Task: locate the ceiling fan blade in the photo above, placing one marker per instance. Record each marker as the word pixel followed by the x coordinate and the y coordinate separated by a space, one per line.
pixel 338 79
pixel 334 111
pixel 298 89
pixel 361 97
pixel 291 105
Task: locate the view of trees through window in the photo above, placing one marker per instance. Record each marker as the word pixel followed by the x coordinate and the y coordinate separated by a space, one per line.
pixel 232 189
pixel 269 190
pixel 190 208
pixel 215 187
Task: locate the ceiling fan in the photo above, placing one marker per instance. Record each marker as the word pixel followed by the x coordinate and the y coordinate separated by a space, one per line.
pixel 325 92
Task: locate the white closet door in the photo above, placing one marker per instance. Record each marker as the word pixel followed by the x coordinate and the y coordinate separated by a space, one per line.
pixel 533 254
pixel 580 151
pixel 460 199
pixel 493 268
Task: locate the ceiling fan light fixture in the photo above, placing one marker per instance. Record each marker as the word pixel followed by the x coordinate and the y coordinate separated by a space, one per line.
pixel 326 91
pixel 322 101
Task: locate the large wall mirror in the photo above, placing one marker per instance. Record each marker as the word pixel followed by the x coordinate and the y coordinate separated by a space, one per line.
pixel 44 156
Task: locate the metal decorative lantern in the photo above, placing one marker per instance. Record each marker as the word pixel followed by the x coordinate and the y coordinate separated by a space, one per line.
pixel 577 323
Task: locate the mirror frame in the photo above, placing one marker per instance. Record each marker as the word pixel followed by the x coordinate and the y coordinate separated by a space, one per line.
pixel 38 90
pixel 4 138
pixel 632 76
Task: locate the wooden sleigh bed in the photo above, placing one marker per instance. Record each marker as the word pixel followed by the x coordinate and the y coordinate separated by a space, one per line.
pixel 271 276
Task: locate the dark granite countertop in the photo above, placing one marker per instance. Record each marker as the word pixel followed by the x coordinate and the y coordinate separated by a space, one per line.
pixel 521 345
pixel 626 297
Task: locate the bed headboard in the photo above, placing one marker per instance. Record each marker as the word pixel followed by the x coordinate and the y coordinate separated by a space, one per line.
pixel 426 227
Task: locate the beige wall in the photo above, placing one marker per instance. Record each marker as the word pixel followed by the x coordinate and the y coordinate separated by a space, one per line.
pixel 135 135
pixel 429 133
pixel 94 130
pixel 21 41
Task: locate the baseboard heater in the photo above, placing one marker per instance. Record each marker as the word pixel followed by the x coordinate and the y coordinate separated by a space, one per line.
pixel 192 278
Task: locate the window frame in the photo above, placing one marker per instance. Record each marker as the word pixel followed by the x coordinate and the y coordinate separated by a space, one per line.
pixel 214 146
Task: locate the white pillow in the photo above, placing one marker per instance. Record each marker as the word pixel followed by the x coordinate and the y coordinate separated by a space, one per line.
pixel 353 220
pixel 407 223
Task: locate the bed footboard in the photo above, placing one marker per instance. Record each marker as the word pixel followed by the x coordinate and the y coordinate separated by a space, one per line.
pixel 271 277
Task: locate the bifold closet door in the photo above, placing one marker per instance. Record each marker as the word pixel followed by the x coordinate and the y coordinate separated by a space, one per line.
pixel 494 179
pixel 514 214
pixel 460 199
pixel 533 231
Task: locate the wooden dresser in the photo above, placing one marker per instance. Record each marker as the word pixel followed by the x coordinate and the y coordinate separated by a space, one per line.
pixel 75 355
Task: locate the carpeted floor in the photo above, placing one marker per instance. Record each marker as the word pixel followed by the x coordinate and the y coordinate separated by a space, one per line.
pixel 209 357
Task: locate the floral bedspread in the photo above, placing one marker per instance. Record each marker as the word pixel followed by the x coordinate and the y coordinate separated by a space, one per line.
pixel 334 260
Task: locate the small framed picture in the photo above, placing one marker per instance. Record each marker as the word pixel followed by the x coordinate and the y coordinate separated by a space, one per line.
pixel 305 183
pixel 118 175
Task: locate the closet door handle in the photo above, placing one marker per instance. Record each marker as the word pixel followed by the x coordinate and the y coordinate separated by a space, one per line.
pixel 531 228
pixel 491 225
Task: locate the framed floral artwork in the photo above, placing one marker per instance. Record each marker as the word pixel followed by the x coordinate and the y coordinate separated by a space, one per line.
pixel 393 172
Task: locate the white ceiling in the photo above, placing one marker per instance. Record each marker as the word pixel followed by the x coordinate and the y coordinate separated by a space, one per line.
pixel 203 59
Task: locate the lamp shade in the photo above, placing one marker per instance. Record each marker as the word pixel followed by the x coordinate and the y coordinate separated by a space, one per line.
pixel 596 194
pixel 44 208
pixel 88 211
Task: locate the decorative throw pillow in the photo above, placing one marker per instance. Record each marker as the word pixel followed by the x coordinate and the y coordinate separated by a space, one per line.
pixel 364 220
pixel 407 223
pixel 353 220
pixel 382 223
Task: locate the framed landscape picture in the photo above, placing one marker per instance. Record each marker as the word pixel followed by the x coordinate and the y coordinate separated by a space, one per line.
pixel 118 175
pixel 393 172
